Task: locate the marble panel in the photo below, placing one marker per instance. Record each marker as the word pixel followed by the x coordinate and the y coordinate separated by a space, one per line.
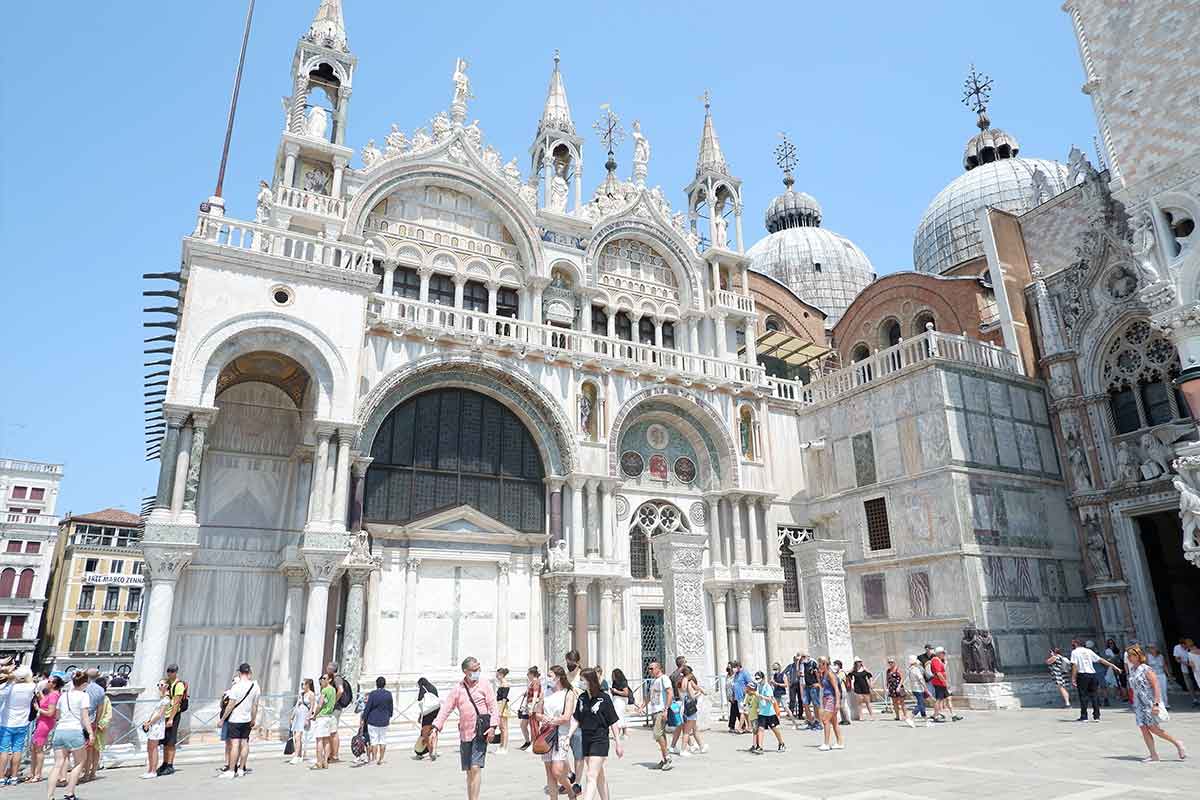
pixel 1025 514
pixel 998 399
pixel 952 386
pixel 864 459
pixel 910 445
pixel 844 463
pixel 1023 615
pixel 957 437
pixel 1049 454
pixel 887 451
pixel 1037 406
pixel 975 394
pixel 1011 650
pixel 983 515
pixel 983 442
pixel 1020 403
pixel 1027 446
pixel 1038 644
pixel 902 401
pixel 937 444
pixel 1007 448
pixel 882 404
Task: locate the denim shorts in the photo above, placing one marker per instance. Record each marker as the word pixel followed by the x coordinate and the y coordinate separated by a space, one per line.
pixel 812 695
pixel 472 754
pixel 12 740
pixel 68 740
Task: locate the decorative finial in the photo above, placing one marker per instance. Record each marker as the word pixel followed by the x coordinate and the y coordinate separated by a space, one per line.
pixel 556 58
pixel 785 157
pixel 977 89
pixel 707 98
pixel 609 129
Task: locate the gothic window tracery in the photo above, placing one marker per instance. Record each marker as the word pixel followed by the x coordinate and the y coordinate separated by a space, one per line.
pixel 652 518
pixel 1138 371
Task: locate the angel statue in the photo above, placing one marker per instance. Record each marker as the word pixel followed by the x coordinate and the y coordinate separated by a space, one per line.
pixel 641 153
pixel 262 211
pixel 370 154
pixel 1189 515
pixel 317 122
pixel 396 142
pixel 1142 247
pixel 1127 468
pixel 462 84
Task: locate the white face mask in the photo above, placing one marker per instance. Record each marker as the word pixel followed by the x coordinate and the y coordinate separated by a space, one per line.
pixel 473 676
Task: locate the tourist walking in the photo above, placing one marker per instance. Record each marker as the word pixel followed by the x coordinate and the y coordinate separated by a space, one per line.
pixel 322 720
pixel 658 698
pixel 1147 704
pixel 793 675
pixel 179 704
pixel 778 683
pixel 1059 666
pixel 914 681
pixel 14 727
pixel 377 715
pixel 622 697
pixel 101 720
pixel 475 701
pixel 428 705
pixel 241 713
pixel 839 671
pixel 1193 660
pixel 529 703
pixel 558 708
pixel 894 680
pixel 154 728
pixel 1083 677
pixel 1156 662
pixel 1112 681
pixel 811 695
pixel 738 683
pixel 767 718
pixel 74 725
pixel 95 693
pixel 596 718
pixel 941 687
pixel 691 694
pixel 830 684
pixel 861 682
pixel 502 689
pixel 47 709
pixel 301 722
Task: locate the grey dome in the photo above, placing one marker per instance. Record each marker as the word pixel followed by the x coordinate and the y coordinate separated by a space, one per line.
pixel 823 268
pixel 793 209
pixel 949 231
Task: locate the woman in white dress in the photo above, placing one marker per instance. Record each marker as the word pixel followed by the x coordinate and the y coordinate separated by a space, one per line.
pixel 1156 662
pixel 301 714
pixel 154 729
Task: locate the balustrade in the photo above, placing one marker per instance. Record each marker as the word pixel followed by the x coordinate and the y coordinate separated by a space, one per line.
pixel 253 237
pixel 295 199
pixel 450 239
pixel 735 301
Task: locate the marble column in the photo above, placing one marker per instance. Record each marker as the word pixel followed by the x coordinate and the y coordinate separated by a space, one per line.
pixel 339 168
pixel 745 630
pixel 577 530
pixel 179 479
pixel 164 566
pixel 720 630
pixel 715 557
pixel 374 624
pixel 191 490
pixel 607 539
pixel 739 541
pixel 291 150
pixel 459 282
pixel 341 486
pixel 293 611
pixel 352 631
pixel 423 293
pixel 681 558
pixel 493 291
pixel 389 276
pixel 770 535
pixel 358 489
pixel 560 618
pixel 321 569
pixel 605 634
pixel 537 634
pixel 756 557
pixel 593 519
pixel 503 611
pixel 721 344
pixel 774 605
pixel 166 460
pixel 411 579
pixel 556 520
pixel 823 581
pixel 580 638
pixel 330 485
pixel 316 508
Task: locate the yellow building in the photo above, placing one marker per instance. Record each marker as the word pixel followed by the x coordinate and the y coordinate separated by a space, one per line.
pixel 95 603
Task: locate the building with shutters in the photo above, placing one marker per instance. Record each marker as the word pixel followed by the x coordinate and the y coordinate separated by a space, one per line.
pixel 28 527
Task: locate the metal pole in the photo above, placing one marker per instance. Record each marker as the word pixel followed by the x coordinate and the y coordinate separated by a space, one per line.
pixel 237 85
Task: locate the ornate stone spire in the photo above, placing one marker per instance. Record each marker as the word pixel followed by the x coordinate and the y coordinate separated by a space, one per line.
pixel 328 28
pixel 710 157
pixel 557 113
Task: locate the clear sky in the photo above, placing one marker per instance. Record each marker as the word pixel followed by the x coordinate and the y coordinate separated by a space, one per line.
pixel 113 113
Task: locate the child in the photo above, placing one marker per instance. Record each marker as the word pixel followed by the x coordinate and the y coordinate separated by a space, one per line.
pixel 750 706
pixel 767 719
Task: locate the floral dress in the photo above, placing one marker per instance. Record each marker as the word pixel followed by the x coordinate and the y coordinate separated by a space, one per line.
pixel 895 683
pixel 1143 696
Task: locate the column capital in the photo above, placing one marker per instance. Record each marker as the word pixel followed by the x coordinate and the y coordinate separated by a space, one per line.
pixel 424 271
pixel 291 148
pixel 577 482
pixel 296 574
pixel 460 278
pixel 166 564
pixel 348 430
pixel 743 591
pixel 555 482
pixel 322 565
pixel 340 162
pixel 503 568
pixel 412 564
pixel 718 594
pixel 608 588
pixel 324 428
pixel 582 584
pixel 203 416
pixel 821 557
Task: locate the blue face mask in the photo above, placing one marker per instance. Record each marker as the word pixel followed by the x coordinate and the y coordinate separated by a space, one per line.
pixel 473 676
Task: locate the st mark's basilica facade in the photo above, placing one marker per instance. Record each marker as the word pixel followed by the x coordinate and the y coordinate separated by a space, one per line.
pixel 434 401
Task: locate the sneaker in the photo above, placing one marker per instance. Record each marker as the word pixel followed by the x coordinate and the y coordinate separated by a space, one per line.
pixel 1082 719
pixel 782 748
pixel 910 723
pixel 169 769
pixel 162 769
pixel 577 789
pixel 148 775
pixel 824 748
pixel 526 746
pixel 227 773
pixel 684 753
pixel 665 765
pixel 838 747
pixel 956 718
pixel 704 749
pixel 222 769
pixel 239 773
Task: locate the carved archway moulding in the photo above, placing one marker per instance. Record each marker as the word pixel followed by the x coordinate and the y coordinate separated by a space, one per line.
pixel 700 412
pixel 655 234
pixel 535 407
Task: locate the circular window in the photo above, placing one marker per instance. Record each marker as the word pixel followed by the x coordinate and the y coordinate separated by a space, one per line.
pixel 281 295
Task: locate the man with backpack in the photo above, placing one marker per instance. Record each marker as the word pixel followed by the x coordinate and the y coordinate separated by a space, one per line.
pixel 177 690
pixel 345 697
pixel 241 712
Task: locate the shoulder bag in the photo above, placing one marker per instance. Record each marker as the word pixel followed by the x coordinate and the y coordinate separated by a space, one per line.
pixel 482 721
pixel 546 739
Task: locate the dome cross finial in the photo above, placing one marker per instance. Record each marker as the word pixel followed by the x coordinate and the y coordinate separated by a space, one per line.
pixel 785 157
pixel 977 90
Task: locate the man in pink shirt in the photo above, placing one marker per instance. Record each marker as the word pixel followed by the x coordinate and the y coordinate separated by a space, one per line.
pixel 475 701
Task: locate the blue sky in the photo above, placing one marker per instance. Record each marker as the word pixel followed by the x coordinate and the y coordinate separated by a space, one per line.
pixel 112 126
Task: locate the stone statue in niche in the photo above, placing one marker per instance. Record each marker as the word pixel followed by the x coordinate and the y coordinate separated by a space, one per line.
pixel 262 210
pixel 558 557
pixel 1097 548
pixel 1127 467
pixel 371 154
pixel 396 142
pixel 720 232
pixel 1158 457
pixel 980 662
pixel 1079 465
pixel 585 412
pixel 557 201
pixel 1142 246
pixel 641 153
pixel 1189 515
pixel 317 123
pixel 316 180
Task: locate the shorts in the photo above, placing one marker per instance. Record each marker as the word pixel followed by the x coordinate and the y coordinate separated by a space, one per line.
pixel 224 734
pixel 577 744
pixel 155 734
pixel 505 710
pixel 68 740
pixel 940 692
pixel 560 752
pixel 660 725
pixel 239 730
pixel 472 754
pixel 171 735
pixel 596 746
pixel 828 703
pixel 12 740
pixel 767 721
pixel 322 727
pixel 812 695
pixel 377 734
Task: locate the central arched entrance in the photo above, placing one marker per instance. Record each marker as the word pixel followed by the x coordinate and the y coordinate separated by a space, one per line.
pixel 452 447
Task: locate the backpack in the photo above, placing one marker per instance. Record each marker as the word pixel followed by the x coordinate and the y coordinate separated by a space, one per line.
pixel 183 701
pixel 346 697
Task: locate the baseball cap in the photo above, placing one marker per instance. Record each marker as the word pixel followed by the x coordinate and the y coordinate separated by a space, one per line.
pixel 244 668
pixel 939 649
pixel 928 646
pixel 172 668
pixel 23 673
pixel 891 660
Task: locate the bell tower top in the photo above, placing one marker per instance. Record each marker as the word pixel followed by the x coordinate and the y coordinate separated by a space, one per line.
pixel 328 29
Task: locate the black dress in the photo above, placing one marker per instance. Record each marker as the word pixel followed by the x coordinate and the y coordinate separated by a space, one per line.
pixel 595 716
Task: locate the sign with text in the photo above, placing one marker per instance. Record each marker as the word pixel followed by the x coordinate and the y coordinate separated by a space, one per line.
pixel 95 578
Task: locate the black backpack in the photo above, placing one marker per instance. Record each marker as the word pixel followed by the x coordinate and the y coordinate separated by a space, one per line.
pixel 347 696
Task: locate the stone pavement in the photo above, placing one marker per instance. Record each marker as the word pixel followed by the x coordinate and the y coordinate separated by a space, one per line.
pixel 988 754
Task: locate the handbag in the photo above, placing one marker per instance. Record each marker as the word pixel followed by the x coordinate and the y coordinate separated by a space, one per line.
pixel 690 706
pixel 546 739
pixel 289 748
pixel 429 703
pixel 482 721
pixel 358 744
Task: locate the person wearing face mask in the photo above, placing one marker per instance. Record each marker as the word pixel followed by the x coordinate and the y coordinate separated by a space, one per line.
pixel 475 701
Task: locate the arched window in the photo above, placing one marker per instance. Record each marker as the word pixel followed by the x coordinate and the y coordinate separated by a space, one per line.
pixel 624 326
pixel 1139 370
pixel 7 578
pixel 668 329
pixel 860 353
pixel 922 323
pixel 889 333
pixel 646 330
pixel 791 578
pixel 773 324
pixel 25 583
pixel 441 290
pixel 650 520
pixel 475 296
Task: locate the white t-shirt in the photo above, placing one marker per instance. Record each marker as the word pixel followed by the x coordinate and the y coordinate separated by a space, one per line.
pixel 244 694
pixel 1084 660
pixel 1194 660
pixel 1180 654
pixel 70 709
pixel 554 705
pixel 16 715
pixel 658 694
